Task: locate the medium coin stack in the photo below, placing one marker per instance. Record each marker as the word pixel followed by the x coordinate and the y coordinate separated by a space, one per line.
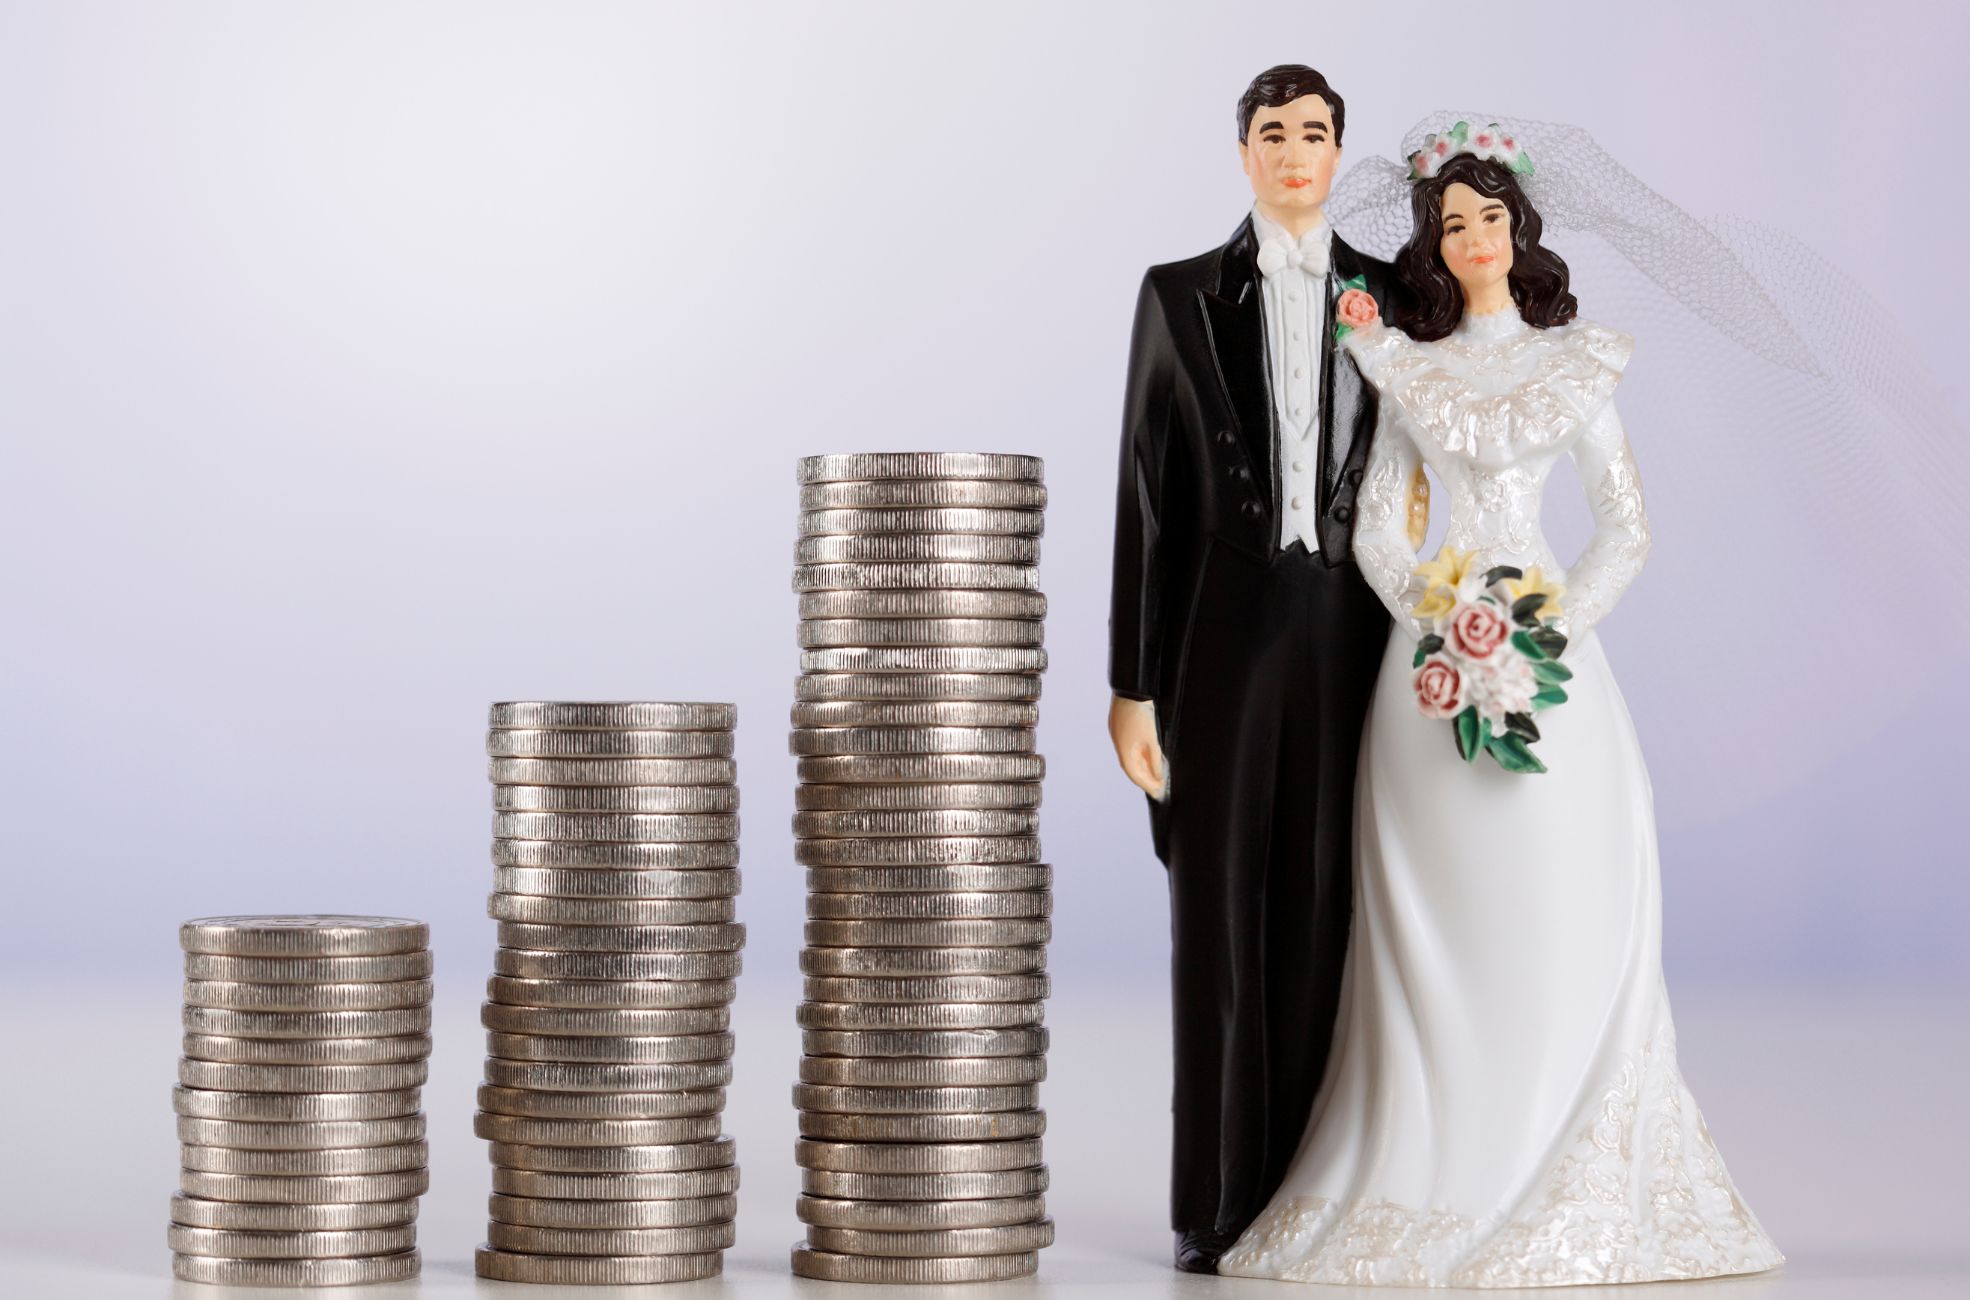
pixel 917 818
pixel 615 853
pixel 307 1040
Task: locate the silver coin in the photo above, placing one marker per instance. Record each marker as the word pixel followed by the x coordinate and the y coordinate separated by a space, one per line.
pixel 249 1216
pixel 851 521
pixel 362 1270
pixel 318 935
pixel 286 1108
pixel 611 1049
pixel 851 466
pixel 992 1126
pixel 614 994
pixel 923 604
pixel 917 548
pixel 1029 1040
pixel 915 713
pixel 807 741
pixel 616 798
pixel 907 769
pixel 946 1243
pixel 877 494
pixel 965 878
pixel 723 1181
pixel 848 633
pixel 604 882
pixel 305 1135
pixel 229 1023
pixel 610 828
pixel 536 742
pixel 898 963
pixel 559 1076
pixel 613 771
pixel 915 823
pixel 1009 933
pixel 928 988
pixel 659 1158
pixel 955 574
pixel 625 1242
pixel 678 1212
pixel 728 936
pixel 224 1077
pixel 534 1103
pixel 924 852
pixel 594 1270
pixel 236 996
pixel 913 1101
pixel 335 1160
pixel 572 1020
pixel 626 715
pixel 309 970
pixel 305 1189
pixel 925 1187
pixel 916 1157
pixel 919 1216
pixel 1004 904
pixel 716 855
pixel 307 1051
pixel 231 1244
pixel 923 1072
pixel 526 1131
pixel 827 1266
pixel 919 1015
pixel 925 659
pixel 917 686
pixel 533 909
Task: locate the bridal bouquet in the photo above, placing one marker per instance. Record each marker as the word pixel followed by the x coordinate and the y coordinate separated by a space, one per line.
pixel 1493 659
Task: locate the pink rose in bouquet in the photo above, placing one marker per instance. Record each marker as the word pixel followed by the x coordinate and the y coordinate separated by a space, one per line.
pixel 1439 688
pixel 1477 628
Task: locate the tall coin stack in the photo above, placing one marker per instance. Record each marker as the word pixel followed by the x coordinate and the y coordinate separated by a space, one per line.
pixel 916 817
pixel 307 1040
pixel 607 1017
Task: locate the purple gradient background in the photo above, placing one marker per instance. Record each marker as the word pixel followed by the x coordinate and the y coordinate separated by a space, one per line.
pixel 363 363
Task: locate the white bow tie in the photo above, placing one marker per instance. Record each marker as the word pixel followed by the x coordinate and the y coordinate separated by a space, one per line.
pixel 1308 255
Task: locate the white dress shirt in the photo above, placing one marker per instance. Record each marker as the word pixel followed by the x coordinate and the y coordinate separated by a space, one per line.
pixel 1295 328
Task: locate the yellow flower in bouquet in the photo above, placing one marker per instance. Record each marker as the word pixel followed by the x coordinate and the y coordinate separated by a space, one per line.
pixel 1534 583
pixel 1444 575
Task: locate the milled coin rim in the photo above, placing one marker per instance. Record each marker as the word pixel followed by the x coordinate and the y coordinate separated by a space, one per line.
pixel 357 1271
pixel 624 715
pixel 303 934
pixel 828 1267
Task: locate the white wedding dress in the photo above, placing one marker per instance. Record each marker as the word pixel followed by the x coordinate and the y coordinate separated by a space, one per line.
pixel 1503 1105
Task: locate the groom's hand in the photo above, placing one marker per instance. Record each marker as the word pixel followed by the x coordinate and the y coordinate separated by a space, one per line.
pixel 1132 726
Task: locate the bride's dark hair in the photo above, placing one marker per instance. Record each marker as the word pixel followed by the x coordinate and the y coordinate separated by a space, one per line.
pixel 1428 300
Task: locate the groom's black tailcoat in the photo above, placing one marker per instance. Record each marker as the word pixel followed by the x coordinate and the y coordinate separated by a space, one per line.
pixel 1261 661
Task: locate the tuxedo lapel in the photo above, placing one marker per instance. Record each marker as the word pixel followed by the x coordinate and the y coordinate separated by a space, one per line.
pixel 1234 320
pixel 1340 389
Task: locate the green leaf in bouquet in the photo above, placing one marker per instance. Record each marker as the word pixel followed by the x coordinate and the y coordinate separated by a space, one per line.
pixel 1551 640
pixel 1513 754
pixel 1521 724
pixel 1525 645
pixel 1525 610
pixel 1428 646
pixel 1546 697
pixel 1551 672
pixel 1499 573
pixel 1468 734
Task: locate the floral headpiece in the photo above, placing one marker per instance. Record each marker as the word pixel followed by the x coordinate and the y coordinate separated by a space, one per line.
pixel 1492 142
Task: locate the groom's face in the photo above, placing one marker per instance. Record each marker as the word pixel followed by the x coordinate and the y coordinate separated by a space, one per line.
pixel 1289 153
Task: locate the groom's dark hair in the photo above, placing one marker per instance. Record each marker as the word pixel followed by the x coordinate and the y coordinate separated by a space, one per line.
pixel 1283 85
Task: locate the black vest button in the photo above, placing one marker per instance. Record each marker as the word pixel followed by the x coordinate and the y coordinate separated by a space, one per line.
pixel 1354 477
pixel 1252 510
pixel 1342 514
pixel 1242 473
pixel 1224 438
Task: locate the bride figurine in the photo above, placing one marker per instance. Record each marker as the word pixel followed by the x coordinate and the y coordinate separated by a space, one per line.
pixel 1502 1107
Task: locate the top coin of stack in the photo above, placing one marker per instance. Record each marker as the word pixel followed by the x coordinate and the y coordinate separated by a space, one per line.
pixel 306 1041
pixel 608 1027
pixel 917 816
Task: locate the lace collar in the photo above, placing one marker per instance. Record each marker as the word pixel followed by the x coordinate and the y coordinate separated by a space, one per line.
pixel 1493 327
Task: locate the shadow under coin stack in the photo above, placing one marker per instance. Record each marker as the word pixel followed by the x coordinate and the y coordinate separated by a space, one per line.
pixel 608 1014
pixel 307 1041
pixel 917 819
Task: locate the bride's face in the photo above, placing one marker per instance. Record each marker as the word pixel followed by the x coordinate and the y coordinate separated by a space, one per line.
pixel 1477 238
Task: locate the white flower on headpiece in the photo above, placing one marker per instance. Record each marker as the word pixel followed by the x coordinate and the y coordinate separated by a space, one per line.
pixel 1491 142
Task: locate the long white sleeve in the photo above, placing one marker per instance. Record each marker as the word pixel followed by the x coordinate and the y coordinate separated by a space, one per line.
pixel 1384 540
pixel 1620 545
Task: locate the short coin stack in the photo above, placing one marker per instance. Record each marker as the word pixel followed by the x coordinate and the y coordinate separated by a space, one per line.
pixel 307 1040
pixel 607 1018
pixel 917 818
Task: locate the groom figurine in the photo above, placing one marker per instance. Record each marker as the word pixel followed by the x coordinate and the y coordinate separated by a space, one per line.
pixel 1244 646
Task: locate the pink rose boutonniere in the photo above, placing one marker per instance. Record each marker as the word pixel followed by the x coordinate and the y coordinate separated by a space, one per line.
pixel 1356 308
